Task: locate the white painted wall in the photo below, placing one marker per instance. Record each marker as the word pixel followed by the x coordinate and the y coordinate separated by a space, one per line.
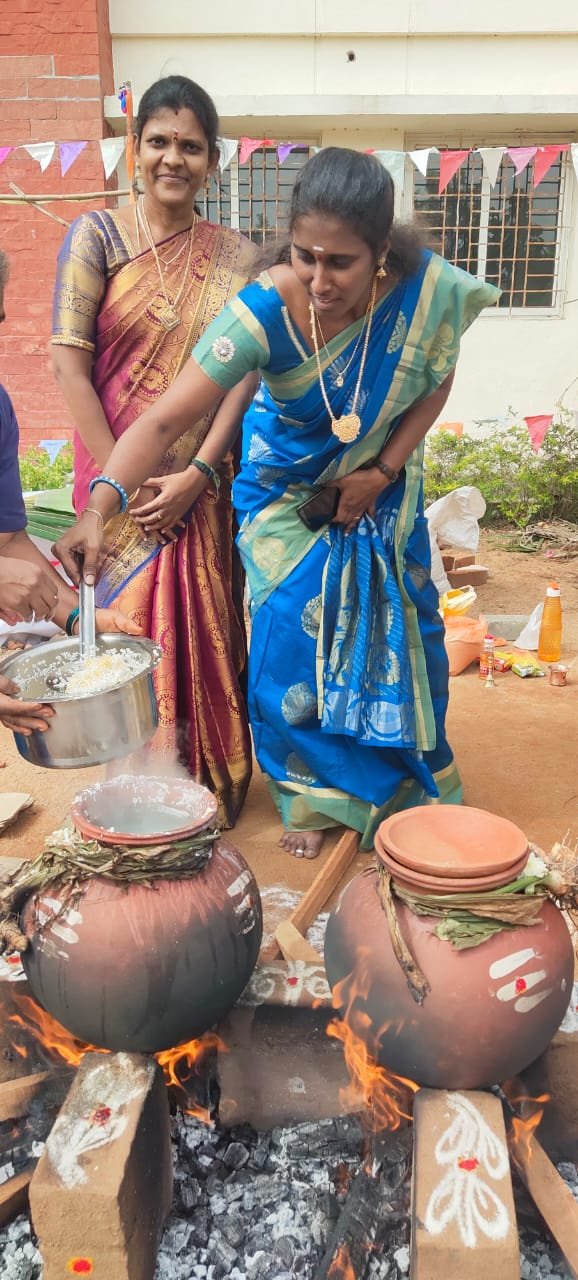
pixel 448 72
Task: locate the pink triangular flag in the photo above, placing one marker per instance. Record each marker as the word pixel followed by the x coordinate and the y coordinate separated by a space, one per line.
pixel 520 157
pixel 4 152
pixel 450 162
pixel 69 152
pixel 284 149
pixel 545 159
pixel 249 145
pixel 538 428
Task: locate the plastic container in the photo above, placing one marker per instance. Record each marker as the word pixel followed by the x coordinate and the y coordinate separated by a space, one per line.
pixel 550 640
pixel 487 658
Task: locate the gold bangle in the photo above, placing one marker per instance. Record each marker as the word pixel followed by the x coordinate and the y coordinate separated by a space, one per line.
pixel 94 512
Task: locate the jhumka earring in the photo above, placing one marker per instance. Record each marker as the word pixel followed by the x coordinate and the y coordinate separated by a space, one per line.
pixel 381 273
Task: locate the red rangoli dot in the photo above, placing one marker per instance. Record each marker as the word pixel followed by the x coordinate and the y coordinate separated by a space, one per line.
pixel 520 984
pixel 292 982
pixel 13 959
pixel 101 1116
pixel 81 1266
pixel 468 1165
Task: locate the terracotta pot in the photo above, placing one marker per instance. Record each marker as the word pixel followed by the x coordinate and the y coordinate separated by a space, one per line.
pixel 492 1009
pixel 144 969
pixel 139 810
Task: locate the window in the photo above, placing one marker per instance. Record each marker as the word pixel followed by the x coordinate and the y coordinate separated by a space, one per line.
pixel 508 234
pixel 255 197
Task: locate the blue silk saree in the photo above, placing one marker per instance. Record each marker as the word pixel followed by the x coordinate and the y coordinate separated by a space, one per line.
pixel 348 677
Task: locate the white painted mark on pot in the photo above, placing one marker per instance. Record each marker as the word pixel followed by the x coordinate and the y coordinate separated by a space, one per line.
pixel 296 1084
pixel 526 1003
pixel 507 964
pixel 520 984
pixel 468 1148
pixel 240 884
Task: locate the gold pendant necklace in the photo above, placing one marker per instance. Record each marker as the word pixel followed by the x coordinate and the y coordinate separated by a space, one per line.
pixel 169 315
pixel 341 376
pixel 347 427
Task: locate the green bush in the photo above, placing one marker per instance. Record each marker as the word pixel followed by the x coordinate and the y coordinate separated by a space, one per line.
pixel 519 486
pixel 38 472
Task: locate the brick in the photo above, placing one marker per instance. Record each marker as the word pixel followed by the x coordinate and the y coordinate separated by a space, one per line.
pixel 556 1073
pixel 70 66
pixel 12 88
pixel 44 131
pixel 92 109
pixel 25 66
pixel 64 87
pixel 460 1140
pixel 281 1068
pixel 102 1188
pixel 473 575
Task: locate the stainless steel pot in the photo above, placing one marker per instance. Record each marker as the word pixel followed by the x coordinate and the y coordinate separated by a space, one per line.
pixel 92 729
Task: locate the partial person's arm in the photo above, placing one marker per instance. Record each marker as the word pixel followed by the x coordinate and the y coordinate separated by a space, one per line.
pixel 72 369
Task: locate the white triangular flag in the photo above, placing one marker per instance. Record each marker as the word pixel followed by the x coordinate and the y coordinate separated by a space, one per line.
pixel 394 162
pixel 421 158
pixel 111 150
pixel 574 150
pixel 491 160
pixel 41 151
pixel 228 148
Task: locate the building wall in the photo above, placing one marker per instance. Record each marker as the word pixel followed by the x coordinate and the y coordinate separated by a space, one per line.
pixel 55 68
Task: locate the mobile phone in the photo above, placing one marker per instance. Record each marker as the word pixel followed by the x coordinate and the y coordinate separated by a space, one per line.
pixel 320 509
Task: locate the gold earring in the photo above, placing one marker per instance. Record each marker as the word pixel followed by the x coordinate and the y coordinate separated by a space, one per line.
pixel 381 273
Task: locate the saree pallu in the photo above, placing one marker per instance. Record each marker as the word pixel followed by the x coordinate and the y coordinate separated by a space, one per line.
pixel 348 677
pixel 184 595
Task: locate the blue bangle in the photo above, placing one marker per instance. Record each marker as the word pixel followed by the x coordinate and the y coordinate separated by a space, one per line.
pixel 208 471
pixel 70 621
pixel 114 484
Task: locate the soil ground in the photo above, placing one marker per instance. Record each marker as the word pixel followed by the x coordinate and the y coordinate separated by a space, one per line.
pixel 516 745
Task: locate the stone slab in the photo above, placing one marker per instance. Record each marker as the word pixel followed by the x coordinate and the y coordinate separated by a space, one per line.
pixel 103 1186
pixel 463 1216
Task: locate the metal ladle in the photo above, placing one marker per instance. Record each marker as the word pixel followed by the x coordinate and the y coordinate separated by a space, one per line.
pixel 86 631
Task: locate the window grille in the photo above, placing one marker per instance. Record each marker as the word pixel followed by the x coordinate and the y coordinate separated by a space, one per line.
pixel 255 197
pixel 509 234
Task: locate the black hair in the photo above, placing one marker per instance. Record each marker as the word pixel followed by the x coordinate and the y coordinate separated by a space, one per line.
pixel 359 190
pixel 172 93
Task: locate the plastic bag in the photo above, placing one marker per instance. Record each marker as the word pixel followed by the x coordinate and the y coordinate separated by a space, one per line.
pixel 530 634
pixel 464 640
pixel 453 522
pixel 457 601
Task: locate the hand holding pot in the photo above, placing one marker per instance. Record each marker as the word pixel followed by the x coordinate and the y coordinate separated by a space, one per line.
pixel 21 717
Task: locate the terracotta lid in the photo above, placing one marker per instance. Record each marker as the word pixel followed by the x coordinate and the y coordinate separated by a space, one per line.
pixel 453 840
pixel 139 810
pixel 419 880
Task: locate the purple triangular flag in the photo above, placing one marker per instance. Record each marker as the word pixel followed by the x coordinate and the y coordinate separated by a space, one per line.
pixel 520 157
pixel 283 150
pixel 69 152
pixel 4 152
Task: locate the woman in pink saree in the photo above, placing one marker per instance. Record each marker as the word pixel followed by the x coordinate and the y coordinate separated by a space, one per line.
pixel 136 288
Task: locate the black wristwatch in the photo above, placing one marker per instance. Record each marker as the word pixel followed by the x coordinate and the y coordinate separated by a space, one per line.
pixel 392 475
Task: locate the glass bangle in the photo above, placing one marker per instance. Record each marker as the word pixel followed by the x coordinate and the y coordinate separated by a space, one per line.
pixel 70 621
pixel 207 470
pixel 114 484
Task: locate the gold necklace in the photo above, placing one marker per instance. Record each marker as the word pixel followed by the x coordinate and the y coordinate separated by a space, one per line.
pixel 347 427
pixel 341 376
pixel 169 315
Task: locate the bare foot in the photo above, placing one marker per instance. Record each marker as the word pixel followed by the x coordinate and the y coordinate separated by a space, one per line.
pixel 303 844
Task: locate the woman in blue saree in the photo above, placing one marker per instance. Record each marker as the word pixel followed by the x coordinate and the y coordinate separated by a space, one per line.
pixel 356 340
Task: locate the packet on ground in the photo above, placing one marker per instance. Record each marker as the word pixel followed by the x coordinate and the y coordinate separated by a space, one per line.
pixel 527 664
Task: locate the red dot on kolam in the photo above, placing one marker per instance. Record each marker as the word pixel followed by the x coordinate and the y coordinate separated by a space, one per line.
pixel 292 982
pixel 468 1165
pixel 81 1266
pixel 521 984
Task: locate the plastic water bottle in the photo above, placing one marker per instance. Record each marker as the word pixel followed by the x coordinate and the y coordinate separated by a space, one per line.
pixel 487 662
pixel 550 639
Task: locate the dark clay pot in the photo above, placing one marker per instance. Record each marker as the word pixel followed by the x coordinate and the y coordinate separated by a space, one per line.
pixel 492 1009
pixel 144 969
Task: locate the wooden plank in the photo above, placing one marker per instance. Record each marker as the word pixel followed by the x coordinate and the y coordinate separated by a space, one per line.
pixel 550 1194
pixel 294 946
pixel 316 896
pixel 17 1095
pixel 14 1194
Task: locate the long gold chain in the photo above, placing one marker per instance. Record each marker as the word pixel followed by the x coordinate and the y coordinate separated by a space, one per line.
pixel 347 427
pixel 342 373
pixel 169 315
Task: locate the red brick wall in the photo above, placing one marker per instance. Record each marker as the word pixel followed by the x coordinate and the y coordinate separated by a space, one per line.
pixel 55 68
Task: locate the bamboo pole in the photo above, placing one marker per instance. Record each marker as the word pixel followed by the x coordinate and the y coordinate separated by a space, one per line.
pixel 76 195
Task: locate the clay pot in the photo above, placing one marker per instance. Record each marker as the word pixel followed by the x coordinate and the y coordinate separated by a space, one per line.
pixel 493 1008
pixel 144 969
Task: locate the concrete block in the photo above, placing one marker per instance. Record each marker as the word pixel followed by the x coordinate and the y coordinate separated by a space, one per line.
pixel 103 1186
pixel 463 1216
pixel 281 1068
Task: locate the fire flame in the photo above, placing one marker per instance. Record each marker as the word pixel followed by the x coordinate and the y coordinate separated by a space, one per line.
pixel 524 1126
pixel 341 1267
pixel 385 1095
pixel 178 1064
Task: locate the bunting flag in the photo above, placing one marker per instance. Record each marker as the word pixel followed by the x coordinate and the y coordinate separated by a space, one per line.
pixel 421 158
pixel 450 162
pixel 574 152
pixel 69 152
pixel 520 157
pixel 228 148
pixel 284 149
pixel 52 448
pixel 111 149
pixel 4 153
pixel 491 160
pixel 545 159
pixel 394 162
pixel 41 151
pixel 538 428
pixel 249 145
